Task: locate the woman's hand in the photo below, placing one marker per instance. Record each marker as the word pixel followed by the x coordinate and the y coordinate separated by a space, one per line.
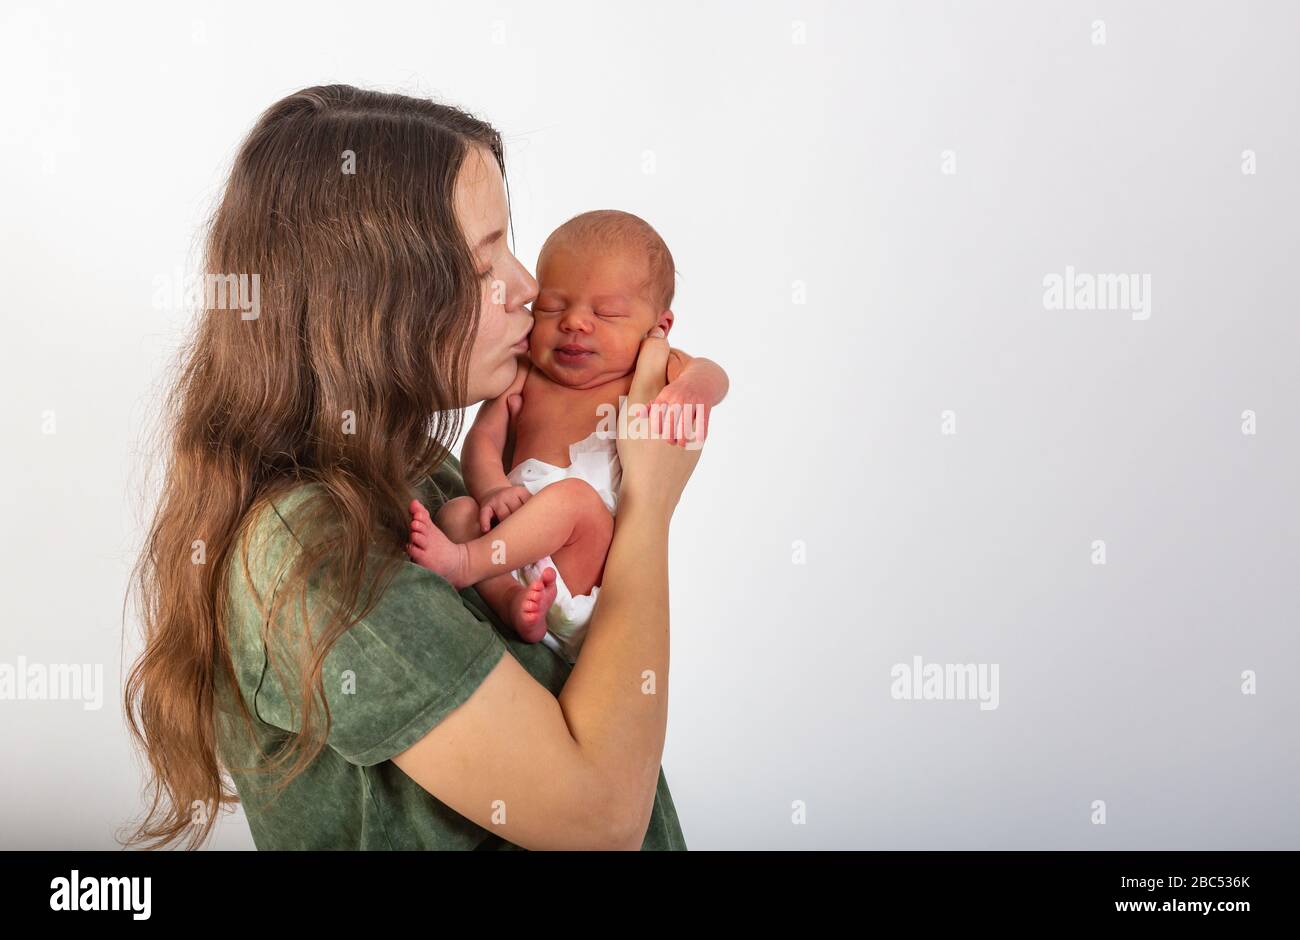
pixel 654 472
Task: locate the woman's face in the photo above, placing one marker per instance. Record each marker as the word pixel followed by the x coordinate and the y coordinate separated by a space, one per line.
pixel 507 287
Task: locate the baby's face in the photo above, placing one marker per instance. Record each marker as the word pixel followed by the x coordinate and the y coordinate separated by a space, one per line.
pixel 590 315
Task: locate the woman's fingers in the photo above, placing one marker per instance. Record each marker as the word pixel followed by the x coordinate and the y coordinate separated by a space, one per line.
pixel 651 368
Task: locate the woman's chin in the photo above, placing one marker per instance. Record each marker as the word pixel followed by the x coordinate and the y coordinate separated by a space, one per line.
pixel 500 381
pixel 508 373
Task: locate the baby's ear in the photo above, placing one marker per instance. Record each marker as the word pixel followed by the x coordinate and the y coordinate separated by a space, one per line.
pixel 664 321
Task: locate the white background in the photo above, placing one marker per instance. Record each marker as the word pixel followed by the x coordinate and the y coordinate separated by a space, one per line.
pixel 775 161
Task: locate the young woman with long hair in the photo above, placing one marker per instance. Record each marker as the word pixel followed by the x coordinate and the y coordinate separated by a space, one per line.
pixel 294 659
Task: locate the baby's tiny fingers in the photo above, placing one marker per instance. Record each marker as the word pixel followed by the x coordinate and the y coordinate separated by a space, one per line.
pixel 691 426
pixel 673 424
pixel 664 422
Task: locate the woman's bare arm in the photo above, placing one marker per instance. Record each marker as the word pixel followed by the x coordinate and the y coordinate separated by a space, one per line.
pixel 579 771
pixel 505 760
pixel 616 698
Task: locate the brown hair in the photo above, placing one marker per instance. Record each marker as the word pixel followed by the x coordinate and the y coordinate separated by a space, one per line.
pixel 623 230
pixel 369 305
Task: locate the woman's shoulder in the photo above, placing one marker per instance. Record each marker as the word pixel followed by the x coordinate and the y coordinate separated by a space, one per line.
pixel 447 481
pixel 276 519
pixel 266 543
pixel 280 516
pixel 278 526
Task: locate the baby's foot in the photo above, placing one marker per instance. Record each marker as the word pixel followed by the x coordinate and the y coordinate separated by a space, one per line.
pixel 430 548
pixel 528 606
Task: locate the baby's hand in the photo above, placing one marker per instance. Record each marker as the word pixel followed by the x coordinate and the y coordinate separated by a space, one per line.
pixel 683 413
pixel 501 502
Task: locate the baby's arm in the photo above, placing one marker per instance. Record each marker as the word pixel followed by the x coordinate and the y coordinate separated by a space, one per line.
pixel 702 376
pixel 694 386
pixel 483 456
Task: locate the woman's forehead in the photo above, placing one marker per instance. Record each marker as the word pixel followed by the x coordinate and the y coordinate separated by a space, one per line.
pixel 480 195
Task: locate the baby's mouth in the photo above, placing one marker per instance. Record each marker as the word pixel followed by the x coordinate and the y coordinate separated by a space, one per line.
pixel 571 355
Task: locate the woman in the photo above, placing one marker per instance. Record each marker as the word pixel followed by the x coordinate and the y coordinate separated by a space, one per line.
pixel 356 699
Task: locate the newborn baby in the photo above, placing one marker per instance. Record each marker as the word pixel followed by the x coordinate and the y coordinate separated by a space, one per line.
pixel 606 280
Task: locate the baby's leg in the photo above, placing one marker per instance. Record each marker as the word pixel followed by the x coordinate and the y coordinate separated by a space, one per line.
pixel 566 520
pixel 524 608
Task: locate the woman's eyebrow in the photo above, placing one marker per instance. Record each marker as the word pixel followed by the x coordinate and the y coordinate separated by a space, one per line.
pixel 489 239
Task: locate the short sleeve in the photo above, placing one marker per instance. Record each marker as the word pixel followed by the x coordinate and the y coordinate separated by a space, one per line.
pixel 418 653
pixel 411 661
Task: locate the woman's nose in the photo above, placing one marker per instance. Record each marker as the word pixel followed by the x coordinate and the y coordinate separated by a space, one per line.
pixel 530 290
pixel 520 299
pixel 522 290
pixel 528 287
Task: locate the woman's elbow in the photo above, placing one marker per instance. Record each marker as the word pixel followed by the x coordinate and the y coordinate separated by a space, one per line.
pixel 627 817
pixel 607 817
pixel 626 835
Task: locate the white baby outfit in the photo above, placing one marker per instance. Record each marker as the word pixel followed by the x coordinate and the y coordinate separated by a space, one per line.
pixel 594 459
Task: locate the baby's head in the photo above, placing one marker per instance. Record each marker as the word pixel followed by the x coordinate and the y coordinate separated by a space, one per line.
pixel 605 280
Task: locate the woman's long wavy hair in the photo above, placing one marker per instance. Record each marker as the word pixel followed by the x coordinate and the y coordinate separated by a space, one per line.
pixel 341 202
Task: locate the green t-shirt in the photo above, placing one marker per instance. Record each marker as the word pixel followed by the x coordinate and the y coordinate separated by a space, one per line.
pixel 418 654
